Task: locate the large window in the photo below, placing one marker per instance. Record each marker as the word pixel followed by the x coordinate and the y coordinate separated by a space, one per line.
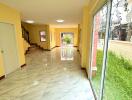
pixel 111 59
pixel 99 29
pixel 118 81
pixel 121 25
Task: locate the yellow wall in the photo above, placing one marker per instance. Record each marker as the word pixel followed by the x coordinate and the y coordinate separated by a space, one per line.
pixel 1 65
pixel 52 37
pixel 73 30
pixel 87 22
pixel 79 39
pixel 85 37
pixel 34 35
pixel 10 15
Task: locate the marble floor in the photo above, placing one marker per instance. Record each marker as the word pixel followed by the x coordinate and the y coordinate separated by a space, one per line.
pixel 49 75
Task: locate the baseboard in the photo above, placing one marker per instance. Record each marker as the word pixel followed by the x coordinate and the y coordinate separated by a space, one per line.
pixel 23 65
pixel 40 47
pixel 53 47
pixel 57 46
pixel 83 68
pixel 2 77
pixel 33 44
pixel 79 52
pixel 75 46
pixel 47 49
pixel 27 51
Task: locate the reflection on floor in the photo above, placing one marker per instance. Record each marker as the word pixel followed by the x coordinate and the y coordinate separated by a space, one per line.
pixel 67 53
pixel 47 77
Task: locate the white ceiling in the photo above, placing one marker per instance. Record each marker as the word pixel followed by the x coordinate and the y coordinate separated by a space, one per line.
pixel 48 11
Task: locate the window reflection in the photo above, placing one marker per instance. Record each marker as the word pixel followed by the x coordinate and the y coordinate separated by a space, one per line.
pixel 42 36
pixel 67 53
pixel 121 28
pixel 119 61
pixel 97 47
pixel 119 67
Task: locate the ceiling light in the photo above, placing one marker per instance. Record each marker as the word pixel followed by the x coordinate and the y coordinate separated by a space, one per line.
pixel 29 21
pixel 60 20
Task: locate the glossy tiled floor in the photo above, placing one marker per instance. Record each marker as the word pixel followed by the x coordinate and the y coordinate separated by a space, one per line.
pixel 49 75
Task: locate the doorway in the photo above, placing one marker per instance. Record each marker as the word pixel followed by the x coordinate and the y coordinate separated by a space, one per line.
pixel 67 43
pixel 8 47
pixel 67 39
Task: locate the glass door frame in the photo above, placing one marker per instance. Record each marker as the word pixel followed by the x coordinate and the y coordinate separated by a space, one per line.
pixel 105 50
pixel 66 33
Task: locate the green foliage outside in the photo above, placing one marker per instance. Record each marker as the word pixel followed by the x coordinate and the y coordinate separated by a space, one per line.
pixel 67 39
pixel 118 83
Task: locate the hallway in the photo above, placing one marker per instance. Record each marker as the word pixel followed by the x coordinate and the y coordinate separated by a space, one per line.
pixel 47 77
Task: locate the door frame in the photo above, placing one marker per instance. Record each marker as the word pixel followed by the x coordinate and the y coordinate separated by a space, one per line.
pixel 16 46
pixel 103 74
pixel 61 38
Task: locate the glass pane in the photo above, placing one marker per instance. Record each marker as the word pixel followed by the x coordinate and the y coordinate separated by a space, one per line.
pixel 42 36
pixel 118 82
pixel 97 47
pixel 67 39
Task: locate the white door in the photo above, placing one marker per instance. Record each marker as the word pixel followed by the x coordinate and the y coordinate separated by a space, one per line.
pixel 9 47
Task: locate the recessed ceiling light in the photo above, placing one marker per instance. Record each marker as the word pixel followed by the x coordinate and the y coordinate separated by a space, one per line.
pixel 60 20
pixel 29 21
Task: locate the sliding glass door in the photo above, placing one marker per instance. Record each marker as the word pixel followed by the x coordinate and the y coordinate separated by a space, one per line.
pixel 99 30
pixel 118 81
pixel 111 51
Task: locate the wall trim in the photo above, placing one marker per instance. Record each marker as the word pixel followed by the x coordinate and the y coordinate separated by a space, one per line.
pixel 79 52
pixel 23 65
pixel 75 46
pixel 27 50
pixel 57 46
pixel 2 77
pixel 83 68
pixel 53 47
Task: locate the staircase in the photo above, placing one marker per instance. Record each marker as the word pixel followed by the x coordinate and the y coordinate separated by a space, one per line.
pixel 26 42
pixel 25 34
